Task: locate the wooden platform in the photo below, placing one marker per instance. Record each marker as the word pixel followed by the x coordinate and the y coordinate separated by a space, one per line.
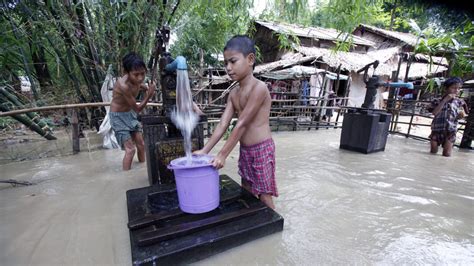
pixel 161 233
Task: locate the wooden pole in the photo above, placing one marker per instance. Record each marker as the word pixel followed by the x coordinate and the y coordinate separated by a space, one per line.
pixel 468 134
pixel 391 92
pixel 395 76
pixel 75 133
pixel 411 121
pixel 64 106
pixel 336 87
pixel 410 60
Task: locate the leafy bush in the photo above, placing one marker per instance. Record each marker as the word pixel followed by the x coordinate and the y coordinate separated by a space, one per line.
pixel 6 123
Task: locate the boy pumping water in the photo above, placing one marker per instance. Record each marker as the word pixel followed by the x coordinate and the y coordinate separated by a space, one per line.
pixel 124 108
pixel 251 102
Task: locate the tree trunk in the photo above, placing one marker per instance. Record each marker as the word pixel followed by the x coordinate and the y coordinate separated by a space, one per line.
pixel 392 18
pixel 25 120
pixel 93 34
pixel 24 59
pixel 41 68
pixel 37 55
pixel 75 80
pixel 32 18
pixel 452 61
pixel 12 98
pixel 71 46
pixel 410 60
pixel 201 67
pixel 96 71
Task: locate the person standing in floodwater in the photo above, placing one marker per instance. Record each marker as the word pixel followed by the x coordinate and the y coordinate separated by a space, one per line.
pixel 251 102
pixel 447 111
pixel 124 108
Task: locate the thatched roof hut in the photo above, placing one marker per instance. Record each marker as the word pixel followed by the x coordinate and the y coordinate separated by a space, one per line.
pixel 267 40
pixel 388 59
pixel 370 44
pixel 386 38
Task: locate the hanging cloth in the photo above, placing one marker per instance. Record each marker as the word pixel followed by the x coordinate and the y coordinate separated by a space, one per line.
pixel 105 129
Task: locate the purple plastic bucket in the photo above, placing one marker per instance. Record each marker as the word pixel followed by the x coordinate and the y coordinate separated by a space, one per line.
pixel 197 184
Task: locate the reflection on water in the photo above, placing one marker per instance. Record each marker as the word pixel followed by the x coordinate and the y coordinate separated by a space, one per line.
pixel 401 206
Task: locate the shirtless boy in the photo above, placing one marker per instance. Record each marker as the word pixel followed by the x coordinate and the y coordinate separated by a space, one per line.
pixel 124 108
pixel 251 102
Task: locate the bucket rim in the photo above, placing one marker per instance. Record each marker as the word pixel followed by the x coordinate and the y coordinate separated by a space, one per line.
pixel 173 165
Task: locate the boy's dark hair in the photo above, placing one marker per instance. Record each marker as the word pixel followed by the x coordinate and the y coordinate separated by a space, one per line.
pixel 132 61
pixel 241 43
pixel 452 81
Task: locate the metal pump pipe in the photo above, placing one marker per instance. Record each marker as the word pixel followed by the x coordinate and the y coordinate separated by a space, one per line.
pixel 179 63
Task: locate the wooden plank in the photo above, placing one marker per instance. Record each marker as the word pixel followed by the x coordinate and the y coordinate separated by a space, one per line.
pixel 171 232
pixel 192 247
pixel 158 217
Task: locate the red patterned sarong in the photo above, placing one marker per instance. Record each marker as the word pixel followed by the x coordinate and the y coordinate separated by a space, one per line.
pixel 257 167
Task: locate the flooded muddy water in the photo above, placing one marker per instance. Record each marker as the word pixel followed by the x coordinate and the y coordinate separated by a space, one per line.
pixel 400 206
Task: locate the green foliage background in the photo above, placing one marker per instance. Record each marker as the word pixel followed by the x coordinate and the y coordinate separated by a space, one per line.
pixel 65 47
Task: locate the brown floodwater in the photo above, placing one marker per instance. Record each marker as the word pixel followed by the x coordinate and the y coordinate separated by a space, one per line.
pixel 400 206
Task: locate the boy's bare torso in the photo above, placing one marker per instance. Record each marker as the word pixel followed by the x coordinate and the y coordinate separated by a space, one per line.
pixel 124 95
pixel 259 128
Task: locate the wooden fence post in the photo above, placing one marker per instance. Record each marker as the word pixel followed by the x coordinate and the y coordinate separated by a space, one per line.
pixel 75 133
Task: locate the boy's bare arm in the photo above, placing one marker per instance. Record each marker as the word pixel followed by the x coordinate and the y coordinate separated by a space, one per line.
pixel 149 93
pixel 255 102
pixel 221 127
pixel 196 109
pixel 130 98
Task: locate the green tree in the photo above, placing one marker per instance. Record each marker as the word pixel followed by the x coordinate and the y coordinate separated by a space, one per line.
pixel 456 45
pixel 65 47
pixel 76 40
pixel 202 28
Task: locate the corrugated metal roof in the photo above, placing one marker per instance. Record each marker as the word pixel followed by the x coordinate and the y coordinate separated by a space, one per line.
pixel 348 60
pixel 312 32
pixel 436 59
pixel 289 60
pixel 297 72
pixel 388 61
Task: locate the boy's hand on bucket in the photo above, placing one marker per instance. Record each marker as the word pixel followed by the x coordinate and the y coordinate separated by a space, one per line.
pixel 218 162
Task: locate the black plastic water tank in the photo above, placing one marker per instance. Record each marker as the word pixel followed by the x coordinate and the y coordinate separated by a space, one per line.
pixel 365 130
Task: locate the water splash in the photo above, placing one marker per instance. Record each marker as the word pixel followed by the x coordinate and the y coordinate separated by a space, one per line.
pixel 183 116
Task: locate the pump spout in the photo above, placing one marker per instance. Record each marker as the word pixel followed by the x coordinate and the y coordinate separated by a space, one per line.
pixel 179 63
pixel 408 85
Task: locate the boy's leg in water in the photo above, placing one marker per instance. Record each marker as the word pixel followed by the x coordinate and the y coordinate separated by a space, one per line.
pixel 267 199
pixel 138 139
pixel 447 148
pixel 434 146
pixel 129 153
